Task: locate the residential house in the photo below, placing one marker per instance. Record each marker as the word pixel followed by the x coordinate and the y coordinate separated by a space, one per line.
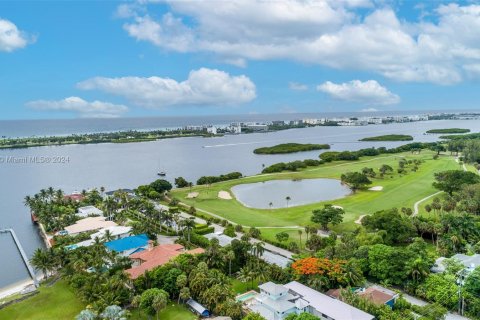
pixel 116 232
pixel 89 211
pixel 471 262
pixel 153 257
pixel 375 294
pixel 128 245
pixel 276 302
pixel 88 224
pixel 75 196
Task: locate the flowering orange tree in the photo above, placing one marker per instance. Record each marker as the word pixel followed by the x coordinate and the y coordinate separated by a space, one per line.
pixel 331 269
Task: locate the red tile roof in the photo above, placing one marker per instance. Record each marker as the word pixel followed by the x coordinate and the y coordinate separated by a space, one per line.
pixel 157 256
pixel 376 296
pixel 74 196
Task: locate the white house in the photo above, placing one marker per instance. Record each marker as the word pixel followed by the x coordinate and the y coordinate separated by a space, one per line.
pixel 89 211
pixel 276 302
pixel 468 261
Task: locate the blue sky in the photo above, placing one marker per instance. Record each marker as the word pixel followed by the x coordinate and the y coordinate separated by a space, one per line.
pixel 153 58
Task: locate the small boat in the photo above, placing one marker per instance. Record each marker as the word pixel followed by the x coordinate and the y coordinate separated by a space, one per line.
pixel 161 174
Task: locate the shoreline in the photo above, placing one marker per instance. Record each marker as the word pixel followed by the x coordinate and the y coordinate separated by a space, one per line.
pixel 14 288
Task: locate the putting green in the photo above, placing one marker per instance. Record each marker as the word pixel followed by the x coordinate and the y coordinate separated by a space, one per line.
pixel 398 191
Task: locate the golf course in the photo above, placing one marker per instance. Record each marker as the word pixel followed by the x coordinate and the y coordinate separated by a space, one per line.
pixel 392 190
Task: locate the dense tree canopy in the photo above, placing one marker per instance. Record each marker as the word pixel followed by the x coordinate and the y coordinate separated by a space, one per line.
pixel 453 180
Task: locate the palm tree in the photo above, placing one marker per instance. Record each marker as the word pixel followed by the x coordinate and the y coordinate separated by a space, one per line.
pixel 188 225
pixel 246 274
pixel 42 260
pixel 159 302
pixel 418 269
pixel 229 255
pixel 352 273
pixel 181 283
pixel 258 249
pixel 270 205
pixel 184 294
pixel 300 236
pixel 288 199
pixel 108 236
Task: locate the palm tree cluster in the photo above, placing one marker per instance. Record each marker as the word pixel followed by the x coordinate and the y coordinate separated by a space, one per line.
pixel 55 211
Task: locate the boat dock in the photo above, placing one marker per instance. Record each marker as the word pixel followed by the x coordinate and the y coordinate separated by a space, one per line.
pixel 22 254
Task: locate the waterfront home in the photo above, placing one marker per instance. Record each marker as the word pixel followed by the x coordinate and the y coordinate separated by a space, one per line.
pixel 75 197
pixel 116 232
pixel 471 262
pixel 89 211
pixel 197 308
pixel 88 224
pixel 128 245
pixel 129 192
pixel 156 256
pixel 375 294
pixel 276 302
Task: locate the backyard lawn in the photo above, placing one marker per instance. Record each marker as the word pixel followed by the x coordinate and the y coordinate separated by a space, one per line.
pixel 398 191
pixel 172 312
pixel 55 302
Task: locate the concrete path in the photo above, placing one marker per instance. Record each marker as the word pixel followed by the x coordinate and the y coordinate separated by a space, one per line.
pixel 415 206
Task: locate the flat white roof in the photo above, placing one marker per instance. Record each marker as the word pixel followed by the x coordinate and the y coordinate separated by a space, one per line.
pixel 89 210
pixel 89 224
pixel 114 231
pixel 333 308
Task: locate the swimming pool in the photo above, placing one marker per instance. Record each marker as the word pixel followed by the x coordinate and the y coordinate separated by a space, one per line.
pixel 246 296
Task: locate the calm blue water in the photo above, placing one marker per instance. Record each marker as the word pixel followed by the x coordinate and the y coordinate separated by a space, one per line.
pixel 261 194
pixel 129 165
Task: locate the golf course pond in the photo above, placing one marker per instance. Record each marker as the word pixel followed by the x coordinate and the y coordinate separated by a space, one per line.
pixel 273 194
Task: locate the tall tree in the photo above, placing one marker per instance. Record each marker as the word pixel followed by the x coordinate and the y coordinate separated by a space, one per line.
pixel 329 214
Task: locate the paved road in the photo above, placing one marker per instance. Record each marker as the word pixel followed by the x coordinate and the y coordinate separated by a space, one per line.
pixel 220 229
pixel 415 206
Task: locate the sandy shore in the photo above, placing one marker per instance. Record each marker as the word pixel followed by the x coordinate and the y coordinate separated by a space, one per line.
pixel 14 288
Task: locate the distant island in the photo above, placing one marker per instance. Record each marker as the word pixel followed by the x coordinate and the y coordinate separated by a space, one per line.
pixel 290 148
pixel 389 137
pixel 92 138
pixel 469 136
pixel 450 130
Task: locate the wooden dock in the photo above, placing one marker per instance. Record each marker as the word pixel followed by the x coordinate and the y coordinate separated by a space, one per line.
pixel 22 254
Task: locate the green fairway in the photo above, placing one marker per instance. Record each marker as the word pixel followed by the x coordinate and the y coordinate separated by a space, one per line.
pixel 55 302
pixel 398 191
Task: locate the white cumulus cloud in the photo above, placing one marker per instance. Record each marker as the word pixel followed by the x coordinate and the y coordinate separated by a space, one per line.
pixel 94 109
pixel 11 38
pixel 369 92
pixel 325 32
pixel 203 87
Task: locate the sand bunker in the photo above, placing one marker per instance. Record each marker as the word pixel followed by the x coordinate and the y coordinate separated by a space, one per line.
pixel 377 188
pixel 359 220
pixel 337 207
pixel 192 195
pixel 225 195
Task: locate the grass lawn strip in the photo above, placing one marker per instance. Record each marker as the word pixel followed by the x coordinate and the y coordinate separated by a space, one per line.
pixel 55 302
